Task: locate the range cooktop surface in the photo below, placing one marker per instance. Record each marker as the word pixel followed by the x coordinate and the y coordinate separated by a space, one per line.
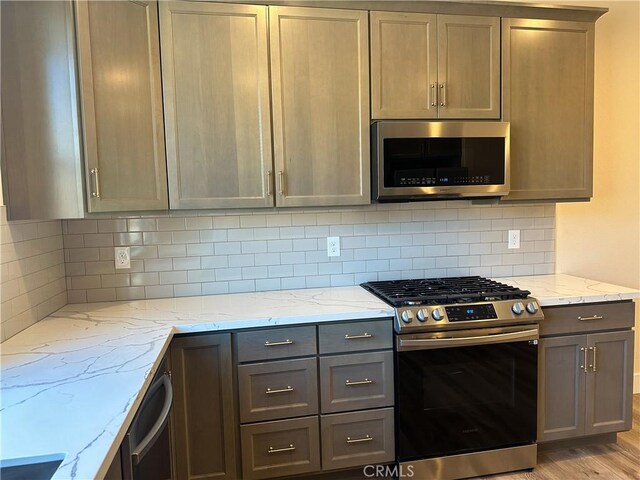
pixel 455 302
pixel 438 291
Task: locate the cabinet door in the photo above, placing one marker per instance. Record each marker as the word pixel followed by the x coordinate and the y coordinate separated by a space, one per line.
pixel 561 384
pixel 468 66
pixel 216 91
pixel 41 143
pixel 547 69
pixel 119 58
pixel 204 418
pixel 609 382
pixel 320 85
pixel 404 65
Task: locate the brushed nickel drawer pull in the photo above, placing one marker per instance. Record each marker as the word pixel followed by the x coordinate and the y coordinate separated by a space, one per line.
pixel 277 344
pixel 356 337
pixel 366 381
pixel 434 101
pixel 584 360
pixel 96 182
pixel 290 448
pixel 595 351
pixel 593 317
pixel 443 99
pixel 366 438
pixel 269 390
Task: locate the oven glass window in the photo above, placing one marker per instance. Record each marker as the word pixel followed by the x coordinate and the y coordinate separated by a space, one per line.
pixel 465 399
pixel 428 162
pixel 469 384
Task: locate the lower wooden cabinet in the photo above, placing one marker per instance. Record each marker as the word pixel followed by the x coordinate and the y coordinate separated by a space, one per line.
pixel 280 448
pixel 357 438
pixel 356 381
pixel 585 380
pixel 273 390
pixel 204 417
pixel 301 398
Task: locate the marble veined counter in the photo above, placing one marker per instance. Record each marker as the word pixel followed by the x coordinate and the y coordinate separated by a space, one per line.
pixel 561 289
pixel 72 382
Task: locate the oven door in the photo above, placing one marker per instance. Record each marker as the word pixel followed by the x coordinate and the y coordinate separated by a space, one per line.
pixel 465 391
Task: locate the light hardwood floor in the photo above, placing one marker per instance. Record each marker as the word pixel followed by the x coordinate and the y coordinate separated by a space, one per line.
pixel 611 461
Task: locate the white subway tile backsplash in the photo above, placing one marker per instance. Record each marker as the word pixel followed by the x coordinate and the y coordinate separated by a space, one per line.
pixel 264 250
pixel 142 225
pixel 187 290
pixel 135 238
pixel 32 271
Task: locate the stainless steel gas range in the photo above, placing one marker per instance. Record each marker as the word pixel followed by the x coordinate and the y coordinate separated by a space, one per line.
pixel 466 361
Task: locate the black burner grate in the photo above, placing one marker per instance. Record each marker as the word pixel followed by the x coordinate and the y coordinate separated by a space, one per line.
pixel 443 291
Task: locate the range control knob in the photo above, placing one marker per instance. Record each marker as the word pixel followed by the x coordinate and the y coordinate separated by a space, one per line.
pixel 532 307
pixel 407 316
pixel 422 315
pixel 517 308
pixel 437 314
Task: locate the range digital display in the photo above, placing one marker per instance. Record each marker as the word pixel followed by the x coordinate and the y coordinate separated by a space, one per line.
pixel 465 313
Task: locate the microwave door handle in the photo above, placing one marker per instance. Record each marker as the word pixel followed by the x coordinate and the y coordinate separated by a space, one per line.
pixel 432 343
pixel 142 448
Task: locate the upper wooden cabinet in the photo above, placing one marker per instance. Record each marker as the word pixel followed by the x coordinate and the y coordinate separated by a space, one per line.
pixel 120 86
pixel 434 66
pixel 41 144
pixel 320 91
pixel 215 70
pixel 547 69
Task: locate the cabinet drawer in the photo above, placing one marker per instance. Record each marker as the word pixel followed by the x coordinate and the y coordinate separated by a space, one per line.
pixel 357 438
pixel 355 336
pixel 275 343
pixel 587 317
pixel 354 382
pixel 285 447
pixel 278 389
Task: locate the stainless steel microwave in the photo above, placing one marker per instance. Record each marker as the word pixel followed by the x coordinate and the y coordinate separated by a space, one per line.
pixel 429 160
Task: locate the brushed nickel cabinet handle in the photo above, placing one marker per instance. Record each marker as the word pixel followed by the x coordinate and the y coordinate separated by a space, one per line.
pixel 443 97
pixel 434 100
pixel 593 365
pixel 592 317
pixel 584 359
pixel 281 181
pixel 96 182
pixel 270 390
pixel 356 337
pixel 269 193
pixel 366 381
pixel 290 448
pixel 277 344
pixel 366 438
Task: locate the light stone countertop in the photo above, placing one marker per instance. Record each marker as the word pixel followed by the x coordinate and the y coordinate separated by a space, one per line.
pixel 72 382
pixel 561 289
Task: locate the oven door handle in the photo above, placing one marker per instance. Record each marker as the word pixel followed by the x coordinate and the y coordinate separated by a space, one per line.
pixel 430 343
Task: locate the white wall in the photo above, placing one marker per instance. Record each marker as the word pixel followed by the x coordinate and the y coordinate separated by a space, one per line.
pixel 601 239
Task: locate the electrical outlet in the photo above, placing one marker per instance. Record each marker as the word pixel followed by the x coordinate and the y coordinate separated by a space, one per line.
pixel 514 239
pixel 333 246
pixel 123 257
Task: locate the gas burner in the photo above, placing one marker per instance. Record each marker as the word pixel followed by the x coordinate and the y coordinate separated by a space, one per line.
pixel 441 291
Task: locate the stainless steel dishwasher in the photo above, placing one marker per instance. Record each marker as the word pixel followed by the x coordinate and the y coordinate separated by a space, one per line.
pixel 145 452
